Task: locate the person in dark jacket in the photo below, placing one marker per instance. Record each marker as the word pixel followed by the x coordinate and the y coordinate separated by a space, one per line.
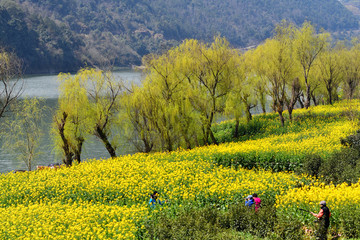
pixel 324 221
pixel 154 200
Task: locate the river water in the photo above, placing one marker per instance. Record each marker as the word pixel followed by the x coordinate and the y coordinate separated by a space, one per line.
pixel 46 87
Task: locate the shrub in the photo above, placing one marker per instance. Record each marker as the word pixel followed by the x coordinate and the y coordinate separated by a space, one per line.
pixel 188 223
pixel 211 223
pixel 288 227
pixel 352 141
pixel 225 131
pixel 350 221
pixel 343 166
pixel 312 164
pixel 245 219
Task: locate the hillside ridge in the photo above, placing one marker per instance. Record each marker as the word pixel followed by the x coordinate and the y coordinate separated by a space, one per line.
pixel 63 35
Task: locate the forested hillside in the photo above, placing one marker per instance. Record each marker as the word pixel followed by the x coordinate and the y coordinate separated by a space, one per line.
pixel 353 6
pixel 62 35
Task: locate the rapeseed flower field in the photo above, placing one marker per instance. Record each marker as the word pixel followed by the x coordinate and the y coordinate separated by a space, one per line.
pixel 108 199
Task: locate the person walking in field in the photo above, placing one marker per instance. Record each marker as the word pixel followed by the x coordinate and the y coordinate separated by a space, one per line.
pixel 257 202
pixel 324 221
pixel 154 200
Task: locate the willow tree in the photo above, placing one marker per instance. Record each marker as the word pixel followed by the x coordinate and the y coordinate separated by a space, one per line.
pixel 329 71
pixel 243 94
pixel 161 91
pixel 71 123
pixel 165 90
pixel 275 63
pixel 10 80
pixel 234 101
pixel 136 121
pixel 351 69
pixel 308 45
pixel 188 117
pixel 212 79
pixel 104 94
pixel 25 130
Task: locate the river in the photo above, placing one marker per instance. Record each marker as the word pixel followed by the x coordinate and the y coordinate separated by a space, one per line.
pixel 46 87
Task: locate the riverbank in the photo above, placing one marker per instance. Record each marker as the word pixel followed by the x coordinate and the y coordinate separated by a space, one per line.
pixel 47 87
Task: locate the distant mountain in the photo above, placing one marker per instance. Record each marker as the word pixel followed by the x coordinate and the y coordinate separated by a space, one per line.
pixel 353 6
pixel 63 35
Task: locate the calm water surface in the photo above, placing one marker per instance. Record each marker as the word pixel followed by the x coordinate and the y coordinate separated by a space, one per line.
pixel 47 87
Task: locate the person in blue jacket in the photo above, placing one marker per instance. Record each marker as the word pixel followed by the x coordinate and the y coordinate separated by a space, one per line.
pixel 154 200
pixel 249 201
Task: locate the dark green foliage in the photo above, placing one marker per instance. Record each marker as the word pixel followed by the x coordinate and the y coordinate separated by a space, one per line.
pixel 265 160
pixel 350 221
pixel 260 223
pixel 352 141
pixel 312 165
pixel 189 223
pixel 225 132
pixel 343 166
pixel 120 32
pixel 288 227
pixel 210 223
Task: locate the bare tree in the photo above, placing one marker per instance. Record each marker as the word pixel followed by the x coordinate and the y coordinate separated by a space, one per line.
pixel 11 84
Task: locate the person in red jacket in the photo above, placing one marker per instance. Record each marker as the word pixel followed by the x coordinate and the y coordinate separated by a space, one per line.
pixel 257 202
pixel 324 221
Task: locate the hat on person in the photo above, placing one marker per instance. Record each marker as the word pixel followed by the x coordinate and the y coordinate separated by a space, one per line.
pixel 250 196
pixel 323 203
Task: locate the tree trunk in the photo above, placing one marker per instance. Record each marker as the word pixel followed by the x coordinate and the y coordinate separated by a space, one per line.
pixel 148 146
pixel 282 119
pixel 66 147
pixel 213 139
pixel 308 97
pixel 103 137
pixel 237 123
pixel 263 108
pixel 295 95
pixel 169 144
pixel 314 99
pixel 290 110
pixel 301 101
pixel 187 141
pixel 77 155
pixel 329 90
pixel 248 113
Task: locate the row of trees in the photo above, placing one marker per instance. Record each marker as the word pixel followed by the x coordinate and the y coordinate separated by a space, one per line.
pixel 189 86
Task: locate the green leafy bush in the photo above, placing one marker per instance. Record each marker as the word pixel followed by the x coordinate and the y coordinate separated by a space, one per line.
pixel 311 165
pixel 266 160
pixel 350 221
pixel 188 223
pixel 288 227
pixel 210 223
pixel 225 132
pixel 343 166
pixel 352 141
